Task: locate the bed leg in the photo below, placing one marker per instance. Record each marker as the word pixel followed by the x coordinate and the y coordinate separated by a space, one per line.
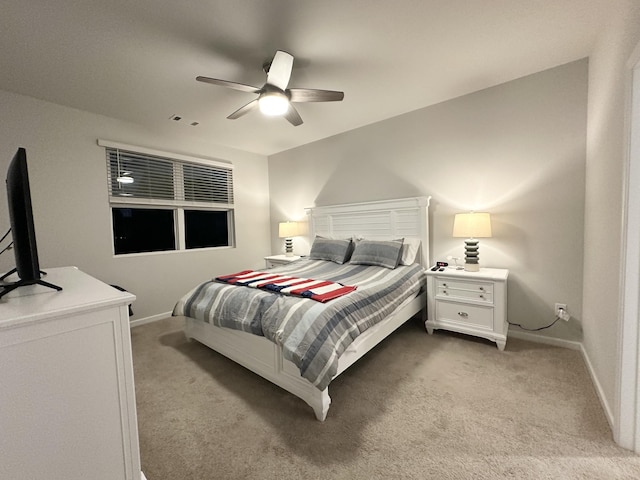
pixel 322 406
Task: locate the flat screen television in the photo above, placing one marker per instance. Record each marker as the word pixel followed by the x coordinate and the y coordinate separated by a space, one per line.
pixel 22 227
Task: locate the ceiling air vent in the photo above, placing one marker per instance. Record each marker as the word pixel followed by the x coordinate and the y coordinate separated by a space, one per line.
pixel 181 119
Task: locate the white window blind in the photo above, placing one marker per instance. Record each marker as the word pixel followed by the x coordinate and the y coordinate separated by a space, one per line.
pixel 161 180
pixel 207 184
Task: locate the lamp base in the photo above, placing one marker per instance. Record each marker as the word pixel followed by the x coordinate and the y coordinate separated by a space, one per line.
pixel 471 255
pixel 471 267
pixel 288 247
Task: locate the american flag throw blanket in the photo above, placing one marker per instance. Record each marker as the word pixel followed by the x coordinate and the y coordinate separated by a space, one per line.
pixel 318 290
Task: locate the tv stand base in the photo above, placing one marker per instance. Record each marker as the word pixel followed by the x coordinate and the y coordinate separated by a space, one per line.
pixel 6 288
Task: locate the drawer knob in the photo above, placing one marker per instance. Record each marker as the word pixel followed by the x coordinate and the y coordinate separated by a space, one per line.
pixel 481 296
pixel 463 314
pixel 444 285
pixel 482 289
pixel 445 292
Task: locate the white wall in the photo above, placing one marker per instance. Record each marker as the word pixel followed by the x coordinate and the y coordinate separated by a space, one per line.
pixel 516 150
pixel 67 171
pixel 603 203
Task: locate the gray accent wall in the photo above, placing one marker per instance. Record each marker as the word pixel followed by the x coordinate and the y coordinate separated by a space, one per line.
pixel 68 177
pixel 516 150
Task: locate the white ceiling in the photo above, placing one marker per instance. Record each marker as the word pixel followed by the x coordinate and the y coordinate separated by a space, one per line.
pixel 137 60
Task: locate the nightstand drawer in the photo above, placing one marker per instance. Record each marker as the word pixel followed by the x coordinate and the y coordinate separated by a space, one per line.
pixel 465 291
pixel 465 314
pixel 479 287
pixel 272 264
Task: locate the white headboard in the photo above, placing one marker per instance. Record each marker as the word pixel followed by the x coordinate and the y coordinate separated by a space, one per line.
pixel 380 220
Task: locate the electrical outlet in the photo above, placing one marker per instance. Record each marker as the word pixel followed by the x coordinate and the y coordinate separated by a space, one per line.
pixel 561 311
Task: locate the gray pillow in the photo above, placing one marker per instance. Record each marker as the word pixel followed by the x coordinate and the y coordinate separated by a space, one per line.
pixel 329 249
pixel 379 253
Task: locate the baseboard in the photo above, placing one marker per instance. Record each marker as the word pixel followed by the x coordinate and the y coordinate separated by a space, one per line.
pixel 558 342
pixel 152 318
pixel 596 384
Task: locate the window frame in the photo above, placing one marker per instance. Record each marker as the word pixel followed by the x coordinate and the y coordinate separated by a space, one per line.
pixel 178 205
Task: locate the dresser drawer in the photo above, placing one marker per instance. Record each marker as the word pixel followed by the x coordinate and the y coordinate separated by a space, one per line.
pixel 476 315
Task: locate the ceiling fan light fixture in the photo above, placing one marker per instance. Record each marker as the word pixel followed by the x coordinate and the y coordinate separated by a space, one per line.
pixel 124 178
pixel 273 103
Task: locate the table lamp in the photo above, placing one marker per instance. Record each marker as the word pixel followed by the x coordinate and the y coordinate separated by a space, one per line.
pixel 287 230
pixel 472 226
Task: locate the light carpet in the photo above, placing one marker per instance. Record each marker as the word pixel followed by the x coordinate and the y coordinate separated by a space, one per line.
pixel 418 406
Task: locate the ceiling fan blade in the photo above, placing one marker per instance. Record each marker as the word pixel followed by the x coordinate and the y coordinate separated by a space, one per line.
pixel 293 116
pixel 253 104
pixel 280 70
pixel 310 95
pixel 224 83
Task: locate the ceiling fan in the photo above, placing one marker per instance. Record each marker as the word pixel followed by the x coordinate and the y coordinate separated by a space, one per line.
pixel 274 98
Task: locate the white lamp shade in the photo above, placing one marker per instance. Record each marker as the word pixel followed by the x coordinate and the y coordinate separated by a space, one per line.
pixel 472 225
pixel 288 229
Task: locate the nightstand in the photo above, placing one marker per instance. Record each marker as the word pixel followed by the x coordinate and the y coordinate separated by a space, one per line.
pixel 474 303
pixel 276 260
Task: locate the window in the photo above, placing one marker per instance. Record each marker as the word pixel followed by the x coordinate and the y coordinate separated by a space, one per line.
pixel 137 230
pixel 205 228
pixel 159 203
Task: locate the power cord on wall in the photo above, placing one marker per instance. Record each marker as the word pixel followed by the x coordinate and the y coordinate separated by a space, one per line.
pixel 535 329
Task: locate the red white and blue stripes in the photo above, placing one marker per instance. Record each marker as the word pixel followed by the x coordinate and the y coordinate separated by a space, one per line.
pixel 318 290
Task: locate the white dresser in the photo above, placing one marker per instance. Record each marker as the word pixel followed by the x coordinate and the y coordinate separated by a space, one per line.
pixel 67 400
pixel 474 303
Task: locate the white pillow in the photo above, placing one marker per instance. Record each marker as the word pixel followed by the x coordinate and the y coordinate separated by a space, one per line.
pixel 410 249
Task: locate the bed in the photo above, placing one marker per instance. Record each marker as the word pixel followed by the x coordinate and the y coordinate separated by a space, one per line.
pixel 274 345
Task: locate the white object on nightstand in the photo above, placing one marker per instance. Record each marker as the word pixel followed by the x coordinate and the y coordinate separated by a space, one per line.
pixel 276 260
pixel 474 303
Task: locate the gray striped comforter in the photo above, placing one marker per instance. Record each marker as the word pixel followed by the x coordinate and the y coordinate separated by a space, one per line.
pixel 312 334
